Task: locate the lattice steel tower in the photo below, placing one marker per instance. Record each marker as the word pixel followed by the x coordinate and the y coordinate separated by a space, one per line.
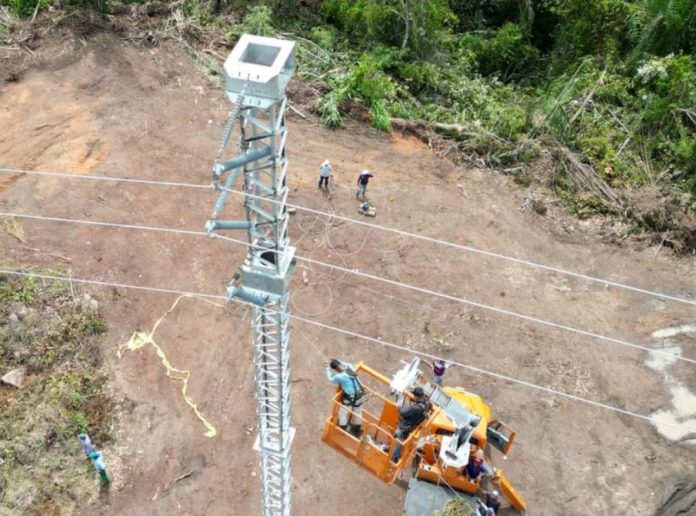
pixel 257 72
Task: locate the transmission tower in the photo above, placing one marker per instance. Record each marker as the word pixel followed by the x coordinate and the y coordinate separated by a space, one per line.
pixel 257 72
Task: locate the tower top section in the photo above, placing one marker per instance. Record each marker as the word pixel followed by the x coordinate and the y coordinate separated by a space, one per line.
pixel 265 65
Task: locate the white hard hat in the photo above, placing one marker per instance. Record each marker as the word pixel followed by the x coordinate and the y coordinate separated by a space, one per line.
pixel 365 171
pixel 495 494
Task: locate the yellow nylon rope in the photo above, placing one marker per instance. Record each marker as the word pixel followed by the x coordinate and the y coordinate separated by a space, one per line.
pixel 141 339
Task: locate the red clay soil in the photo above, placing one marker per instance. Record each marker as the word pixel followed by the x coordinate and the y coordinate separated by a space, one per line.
pixel 98 105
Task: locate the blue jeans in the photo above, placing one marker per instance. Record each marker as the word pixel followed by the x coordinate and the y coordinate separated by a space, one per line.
pixel 400 434
pixel 438 380
pixel 362 190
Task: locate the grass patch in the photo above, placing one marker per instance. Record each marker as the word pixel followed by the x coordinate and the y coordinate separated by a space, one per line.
pixel 53 335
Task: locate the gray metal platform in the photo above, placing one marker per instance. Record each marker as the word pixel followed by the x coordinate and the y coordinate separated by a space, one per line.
pixel 424 498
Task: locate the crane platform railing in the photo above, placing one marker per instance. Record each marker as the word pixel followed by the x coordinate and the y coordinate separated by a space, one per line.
pixel 374 449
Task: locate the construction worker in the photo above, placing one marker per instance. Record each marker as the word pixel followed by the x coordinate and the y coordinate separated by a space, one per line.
pixel 99 465
pixel 324 174
pixel 476 469
pixel 410 418
pixel 439 368
pixel 363 179
pixel 492 503
pixel 483 510
pixel 86 444
pixel 343 374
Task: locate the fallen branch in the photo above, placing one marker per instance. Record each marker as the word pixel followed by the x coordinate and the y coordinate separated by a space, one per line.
pixel 418 127
pixel 171 484
pixel 296 111
pixel 587 98
pixel 48 253
pixel 36 11
pixel 588 178
pixel 690 115
pixel 215 54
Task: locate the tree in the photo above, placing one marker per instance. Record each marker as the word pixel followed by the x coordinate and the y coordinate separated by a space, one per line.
pixel 414 25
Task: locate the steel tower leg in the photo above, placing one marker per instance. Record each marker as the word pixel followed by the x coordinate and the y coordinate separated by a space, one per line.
pixel 272 356
pixel 256 75
pixel 268 265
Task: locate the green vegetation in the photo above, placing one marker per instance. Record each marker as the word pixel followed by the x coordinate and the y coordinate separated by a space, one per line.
pixel 456 507
pixel 611 81
pixel 53 337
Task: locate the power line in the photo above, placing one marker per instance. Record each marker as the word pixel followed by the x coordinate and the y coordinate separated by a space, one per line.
pixel 380 227
pixel 105 224
pixel 66 175
pixel 372 340
pixel 442 295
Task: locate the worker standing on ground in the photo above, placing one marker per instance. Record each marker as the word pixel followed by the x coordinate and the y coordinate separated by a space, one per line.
pixel 86 444
pixel 324 174
pixel 343 374
pixel 491 505
pixel 99 465
pixel 410 418
pixel 439 368
pixel 363 179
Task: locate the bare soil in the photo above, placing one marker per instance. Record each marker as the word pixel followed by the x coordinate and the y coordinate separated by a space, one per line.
pixel 96 104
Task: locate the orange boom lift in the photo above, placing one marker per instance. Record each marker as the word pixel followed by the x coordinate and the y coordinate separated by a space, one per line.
pixel 437 450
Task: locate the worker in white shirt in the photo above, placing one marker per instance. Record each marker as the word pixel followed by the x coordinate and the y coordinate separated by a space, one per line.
pixel 324 174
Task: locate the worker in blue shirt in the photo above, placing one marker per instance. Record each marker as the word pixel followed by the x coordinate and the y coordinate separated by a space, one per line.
pixel 324 174
pixel 86 444
pixel 476 467
pixel 343 374
pixel 98 462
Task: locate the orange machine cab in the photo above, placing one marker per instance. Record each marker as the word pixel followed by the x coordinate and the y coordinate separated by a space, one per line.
pixel 374 448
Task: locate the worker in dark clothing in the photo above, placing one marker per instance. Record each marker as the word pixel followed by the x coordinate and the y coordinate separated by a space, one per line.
pixel 493 501
pixel 363 179
pixel 411 417
pixel 492 504
pixel 475 469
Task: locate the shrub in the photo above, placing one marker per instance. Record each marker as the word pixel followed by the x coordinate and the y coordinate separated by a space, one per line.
pixel 659 27
pixel 25 7
pixel 257 21
pixel 324 37
pixel 505 52
pixel 417 25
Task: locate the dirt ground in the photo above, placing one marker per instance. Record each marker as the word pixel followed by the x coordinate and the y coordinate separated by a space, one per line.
pixel 98 105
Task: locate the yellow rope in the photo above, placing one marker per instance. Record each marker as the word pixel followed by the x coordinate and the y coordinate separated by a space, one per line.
pixel 141 339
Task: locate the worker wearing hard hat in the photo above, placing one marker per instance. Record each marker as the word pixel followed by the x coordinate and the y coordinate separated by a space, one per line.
pixel 343 374
pixel 324 174
pixel 492 504
pixel 411 417
pixel 475 469
pixel 363 179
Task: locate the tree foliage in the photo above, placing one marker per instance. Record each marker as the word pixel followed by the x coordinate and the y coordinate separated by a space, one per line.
pixel 417 25
pixel 613 80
